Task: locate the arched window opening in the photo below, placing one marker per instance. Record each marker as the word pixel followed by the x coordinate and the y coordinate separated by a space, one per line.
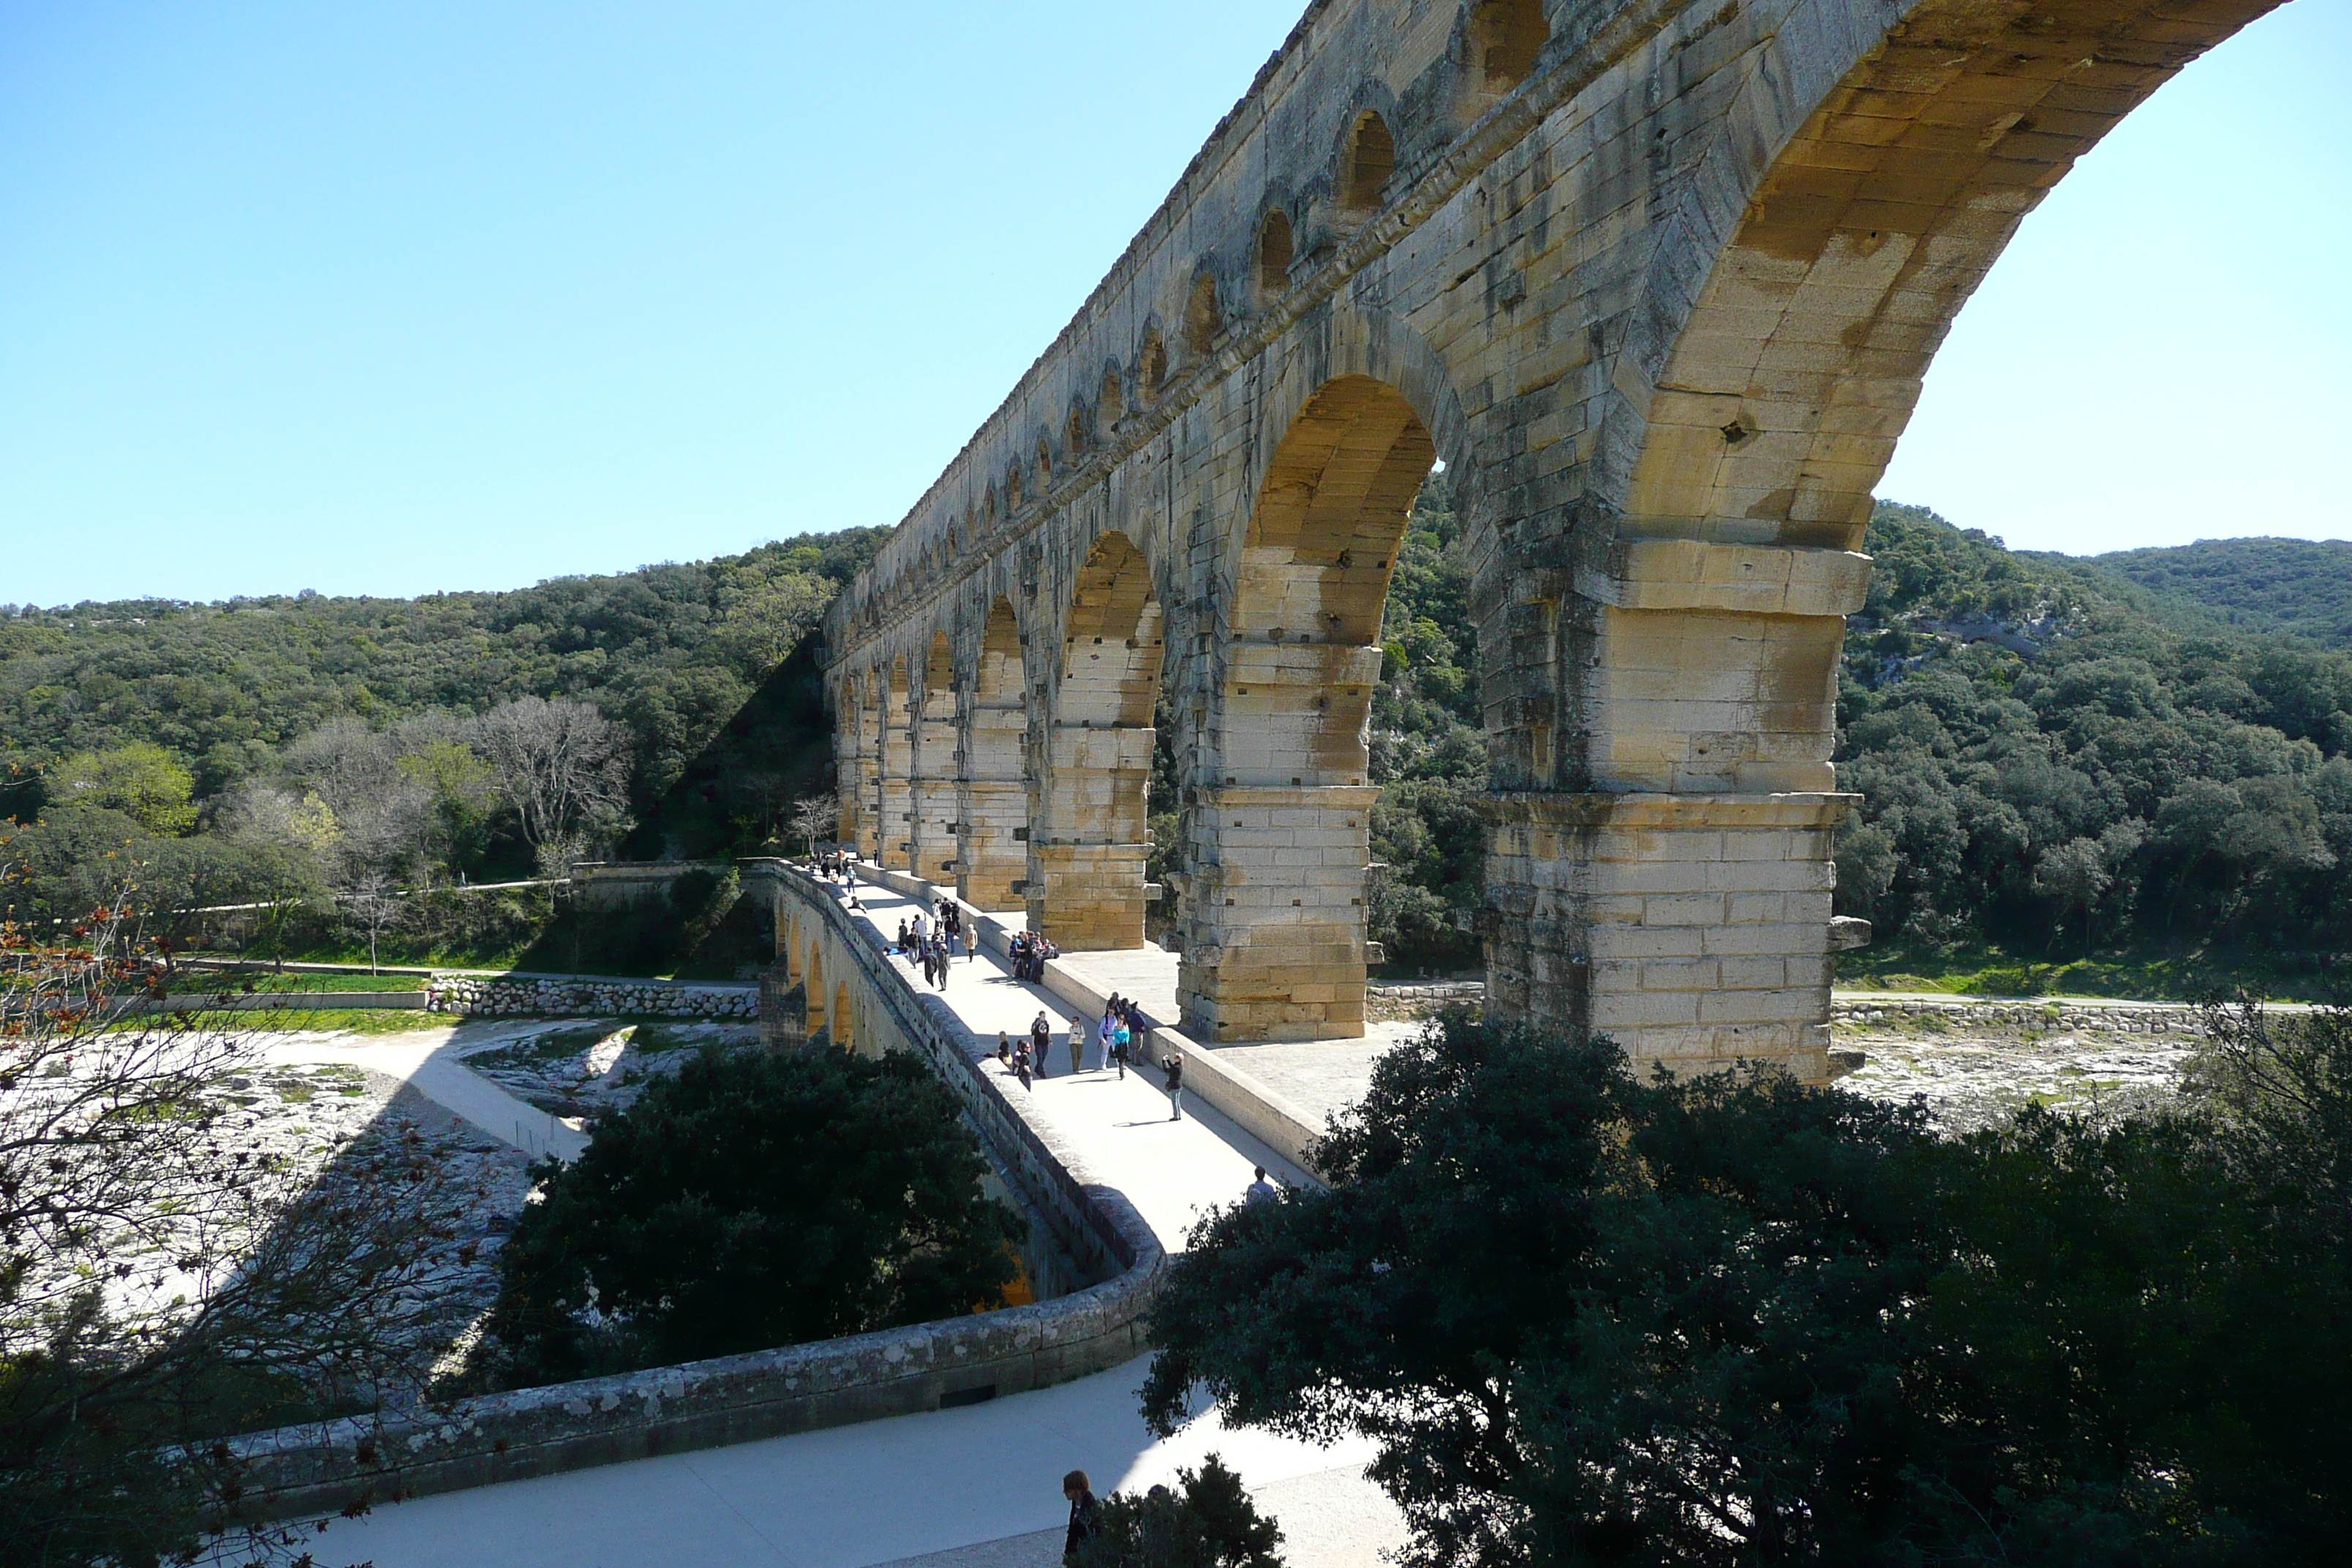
pixel 1078 428
pixel 1013 489
pixel 1201 317
pixel 844 1031
pixel 988 508
pixel 1273 253
pixel 1504 37
pixel 1044 465
pixel 1106 405
pixel 1152 368
pixel 1372 158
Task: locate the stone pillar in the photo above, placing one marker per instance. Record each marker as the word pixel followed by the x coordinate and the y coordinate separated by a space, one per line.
pixel 1679 901
pixel 896 794
pixel 1691 929
pixel 934 789
pixel 1086 887
pixel 992 843
pixel 1275 947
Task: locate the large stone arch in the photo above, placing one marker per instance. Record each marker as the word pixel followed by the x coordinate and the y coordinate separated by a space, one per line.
pixel 994 816
pixel 1660 291
pixel 1278 837
pixel 1088 837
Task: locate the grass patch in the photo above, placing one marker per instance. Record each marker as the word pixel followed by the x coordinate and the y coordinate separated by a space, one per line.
pixel 207 982
pixel 2148 976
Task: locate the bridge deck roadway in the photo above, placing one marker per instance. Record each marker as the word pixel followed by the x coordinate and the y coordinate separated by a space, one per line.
pixel 973 1488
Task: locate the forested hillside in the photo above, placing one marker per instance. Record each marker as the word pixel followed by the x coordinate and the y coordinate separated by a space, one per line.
pixel 2057 757
pixel 2050 763
pixel 2298 586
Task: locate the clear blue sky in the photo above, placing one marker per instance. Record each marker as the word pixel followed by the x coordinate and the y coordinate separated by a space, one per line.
pixel 395 299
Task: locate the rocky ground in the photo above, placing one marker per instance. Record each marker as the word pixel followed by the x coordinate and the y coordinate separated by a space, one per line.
pixel 1971 1075
pixel 577 1068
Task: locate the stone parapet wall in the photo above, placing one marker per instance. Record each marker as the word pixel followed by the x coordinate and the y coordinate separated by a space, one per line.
pixel 698 1404
pixel 574 997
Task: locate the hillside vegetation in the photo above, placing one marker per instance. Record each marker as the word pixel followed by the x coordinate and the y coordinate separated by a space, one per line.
pixel 2298 586
pixel 2097 773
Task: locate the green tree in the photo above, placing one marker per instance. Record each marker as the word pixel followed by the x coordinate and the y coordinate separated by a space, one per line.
pixel 142 780
pixel 752 1200
pixel 1205 1520
pixel 1734 1321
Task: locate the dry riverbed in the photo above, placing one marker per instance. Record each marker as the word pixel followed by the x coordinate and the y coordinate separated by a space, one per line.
pixel 1972 1076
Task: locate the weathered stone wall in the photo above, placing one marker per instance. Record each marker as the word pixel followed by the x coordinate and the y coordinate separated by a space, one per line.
pixel 520 997
pixel 1658 281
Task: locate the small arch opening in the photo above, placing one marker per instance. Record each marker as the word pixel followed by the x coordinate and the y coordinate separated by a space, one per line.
pixel 1106 403
pixel 1372 158
pixel 1078 431
pixel 1504 37
pixel 1202 318
pixel 1274 254
pixel 1044 465
pixel 1013 489
pixel 1152 368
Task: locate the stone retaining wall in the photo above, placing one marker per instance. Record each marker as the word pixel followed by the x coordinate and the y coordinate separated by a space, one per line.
pixel 574 997
pixel 2120 1017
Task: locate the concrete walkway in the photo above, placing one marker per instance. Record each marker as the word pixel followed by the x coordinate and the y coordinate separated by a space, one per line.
pixel 972 1487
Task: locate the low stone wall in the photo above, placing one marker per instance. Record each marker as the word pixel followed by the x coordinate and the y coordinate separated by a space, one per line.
pixel 700 1404
pixel 2011 1017
pixel 513 997
pixel 625 884
pixel 1422 998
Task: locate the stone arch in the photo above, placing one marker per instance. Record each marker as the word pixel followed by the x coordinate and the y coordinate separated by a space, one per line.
pixel 1276 949
pixel 1044 466
pixel 1087 839
pixel 1203 317
pixel 1151 368
pixel 1500 43
pixel 1109 402
pixel 1079 431
pixel 812 984
pixel 895 791
pixel 1274 254
pixel 844 1016
pixel 1367 162
pixel 936 772
pixel 993 856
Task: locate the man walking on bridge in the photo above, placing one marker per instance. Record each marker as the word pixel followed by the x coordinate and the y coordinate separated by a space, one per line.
pixel 1041 1038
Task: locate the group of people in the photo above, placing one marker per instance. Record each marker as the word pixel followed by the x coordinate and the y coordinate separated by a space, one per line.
pixel 933 942
pixel 1115 1037
pixel 1031 952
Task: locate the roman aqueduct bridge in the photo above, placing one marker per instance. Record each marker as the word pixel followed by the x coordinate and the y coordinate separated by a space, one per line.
pixel 1657 280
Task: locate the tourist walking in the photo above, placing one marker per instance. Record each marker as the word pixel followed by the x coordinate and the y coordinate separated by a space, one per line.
pixel 1174 1068
pixel 1021 1064
pixel 1262 1191
pixel 1086 1519
pixel 1122 1037
pixel 1040 1034
pixel 1077 1042
pixel 1108 1028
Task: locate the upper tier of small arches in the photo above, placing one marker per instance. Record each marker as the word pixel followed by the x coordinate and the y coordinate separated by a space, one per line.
pixel 1304 212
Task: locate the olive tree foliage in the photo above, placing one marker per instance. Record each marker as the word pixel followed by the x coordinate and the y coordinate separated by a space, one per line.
pixel 165 1285
pixel 565 767
pixel 1737 1321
